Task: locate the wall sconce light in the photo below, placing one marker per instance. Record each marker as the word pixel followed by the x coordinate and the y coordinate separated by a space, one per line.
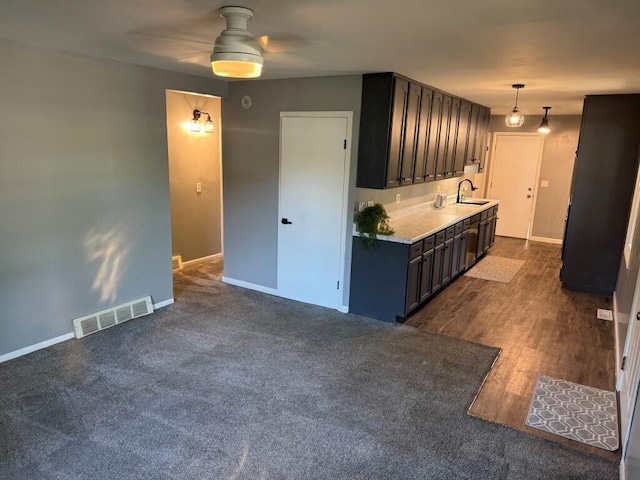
pixel 544 125
pixel 514 118
pixel 195 126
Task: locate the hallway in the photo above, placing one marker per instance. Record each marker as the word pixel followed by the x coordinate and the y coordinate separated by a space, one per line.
pixel 540 327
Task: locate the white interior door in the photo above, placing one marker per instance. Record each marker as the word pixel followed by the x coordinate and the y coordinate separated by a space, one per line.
pixel 630 376
pixel 314 169
pixel 515 168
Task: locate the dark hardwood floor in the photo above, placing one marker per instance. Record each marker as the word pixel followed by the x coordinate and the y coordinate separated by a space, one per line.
pixel 540 327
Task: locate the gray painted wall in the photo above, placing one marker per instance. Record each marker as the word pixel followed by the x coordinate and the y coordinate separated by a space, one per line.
pixel 250 153
pixel 194 157
pixel 558 157
pixel 84 188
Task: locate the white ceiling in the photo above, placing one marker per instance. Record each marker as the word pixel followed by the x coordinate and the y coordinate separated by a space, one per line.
pixel 561 49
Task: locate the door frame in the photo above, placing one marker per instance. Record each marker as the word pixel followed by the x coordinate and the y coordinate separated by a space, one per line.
pixel 536 185
pixel 347 227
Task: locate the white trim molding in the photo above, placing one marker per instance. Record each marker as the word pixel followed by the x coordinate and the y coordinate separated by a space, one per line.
pixel 202 259
pixel 164 303
pixel 556 241
pixel 250 286
pixel 38 346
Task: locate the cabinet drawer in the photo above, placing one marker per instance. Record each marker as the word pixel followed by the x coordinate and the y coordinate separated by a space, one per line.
pixel 466 224
pixel 440 237
pixel 458 228
pixel 449 232
pixel 415 250
pixel 484 215
pixel 429 243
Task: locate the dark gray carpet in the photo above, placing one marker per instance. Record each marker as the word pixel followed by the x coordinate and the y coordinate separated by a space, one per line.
pixel 234 384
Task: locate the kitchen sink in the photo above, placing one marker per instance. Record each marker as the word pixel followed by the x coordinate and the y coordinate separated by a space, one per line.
pixel 473 202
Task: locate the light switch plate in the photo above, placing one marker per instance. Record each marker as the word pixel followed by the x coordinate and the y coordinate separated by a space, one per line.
pixel 370 203
pixel 544 183
pixel 398 196
pixel 198 187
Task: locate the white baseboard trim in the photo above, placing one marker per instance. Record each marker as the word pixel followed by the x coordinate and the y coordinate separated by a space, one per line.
pixel 202 259
pixel 163 304
pixel 556 241
pixel 343 308
pixel 38 346
pixel 623 470
pixel 250 286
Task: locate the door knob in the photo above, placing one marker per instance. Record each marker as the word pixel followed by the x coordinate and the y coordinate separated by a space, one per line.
pixel 285 221
pixel 529 196
pixel 529 188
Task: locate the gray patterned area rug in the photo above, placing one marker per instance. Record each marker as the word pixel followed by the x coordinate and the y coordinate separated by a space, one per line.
pixel 585 414
pixel 498 269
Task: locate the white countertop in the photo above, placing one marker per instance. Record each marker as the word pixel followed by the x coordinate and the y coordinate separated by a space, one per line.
pixel 423 220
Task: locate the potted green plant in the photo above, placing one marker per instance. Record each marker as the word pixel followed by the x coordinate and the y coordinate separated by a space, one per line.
pixel 370 222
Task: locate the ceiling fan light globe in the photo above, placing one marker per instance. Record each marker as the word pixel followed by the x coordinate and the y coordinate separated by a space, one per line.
pixel 242 68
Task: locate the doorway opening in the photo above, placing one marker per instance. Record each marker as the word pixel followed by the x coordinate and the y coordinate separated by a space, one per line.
pixel 195 181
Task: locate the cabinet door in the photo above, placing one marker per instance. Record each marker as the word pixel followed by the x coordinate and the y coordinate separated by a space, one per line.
pixel 413 284
pixel 455 255
pixel 426 275
pixel 464 244
pixel 490 233
pixel 481 139
pixel 452 137
pixel 422 173
pixel 443 144
pixel 482 231
pixel 436 278
pixel 410 134
pixel 446 261
pixel 462 145
pixel 434 135
pixel 493 231
pixel 473 133
pixel 400 94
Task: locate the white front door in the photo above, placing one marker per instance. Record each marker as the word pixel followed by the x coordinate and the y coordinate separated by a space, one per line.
pixel 314 170
pixel 515 168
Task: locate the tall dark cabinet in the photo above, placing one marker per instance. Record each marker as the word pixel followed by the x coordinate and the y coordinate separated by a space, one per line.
pixel 601 193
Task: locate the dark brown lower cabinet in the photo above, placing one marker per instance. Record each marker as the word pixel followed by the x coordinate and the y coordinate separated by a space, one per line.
pixel 394 279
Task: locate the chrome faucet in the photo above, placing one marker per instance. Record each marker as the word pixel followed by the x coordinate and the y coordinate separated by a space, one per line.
pixel 460 185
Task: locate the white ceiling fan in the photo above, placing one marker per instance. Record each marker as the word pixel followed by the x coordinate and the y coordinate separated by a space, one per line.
pixel 237 53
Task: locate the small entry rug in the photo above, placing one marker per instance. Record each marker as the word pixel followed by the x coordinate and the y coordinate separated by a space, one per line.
pixel 585 414
pixel 498 269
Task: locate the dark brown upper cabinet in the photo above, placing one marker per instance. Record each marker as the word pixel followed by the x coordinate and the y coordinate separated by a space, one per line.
pixel 443 140
pixel 434 135
pixel 479 129
pixel 462 142
pixel 409 132
pixel 422 172
pixel 452 137
pixel 411 122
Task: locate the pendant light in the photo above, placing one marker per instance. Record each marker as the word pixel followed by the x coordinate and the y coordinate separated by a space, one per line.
pixel 514 118
pixel 236 54
pixel 544 125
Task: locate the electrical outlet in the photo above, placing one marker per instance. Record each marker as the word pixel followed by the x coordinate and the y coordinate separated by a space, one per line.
pixel 398 198
pixel 370 203
pixel 361 206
